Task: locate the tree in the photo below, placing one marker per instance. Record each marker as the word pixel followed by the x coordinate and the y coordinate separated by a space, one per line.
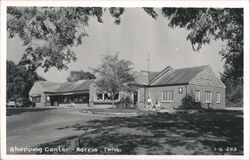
pixel 234 88
pixel 80 75
pixel 19 81
pixel 49 33
pixel 59 29
pixel 114 75
pixel 206 24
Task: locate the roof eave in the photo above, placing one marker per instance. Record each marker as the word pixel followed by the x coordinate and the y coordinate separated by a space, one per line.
pixel 72 91
pixel 173 84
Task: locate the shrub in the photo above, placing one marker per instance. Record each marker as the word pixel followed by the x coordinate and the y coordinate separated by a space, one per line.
pixel 125 102
pixel 234 95
pixel 188 102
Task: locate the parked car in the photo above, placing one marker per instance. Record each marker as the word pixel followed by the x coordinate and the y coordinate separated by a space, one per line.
pixel 24 102
pixel 11 104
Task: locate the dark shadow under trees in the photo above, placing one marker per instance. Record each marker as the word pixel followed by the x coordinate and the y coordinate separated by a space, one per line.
pixel 164 134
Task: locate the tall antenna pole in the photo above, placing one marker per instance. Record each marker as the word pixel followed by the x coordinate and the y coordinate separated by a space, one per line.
pixel 108 42
pixel 148 68
pixel 108 20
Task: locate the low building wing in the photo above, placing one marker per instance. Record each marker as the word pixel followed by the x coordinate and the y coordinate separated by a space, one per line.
pixel 81 85
pixel 40 87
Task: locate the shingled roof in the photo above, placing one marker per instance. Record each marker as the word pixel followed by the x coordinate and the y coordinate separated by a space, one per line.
pixel 46 86
pixel 75 86
pixel 178 76
pixel 51 87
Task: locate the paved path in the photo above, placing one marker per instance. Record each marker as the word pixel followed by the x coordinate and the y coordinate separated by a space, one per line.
pixel 234 108
pixel 30 129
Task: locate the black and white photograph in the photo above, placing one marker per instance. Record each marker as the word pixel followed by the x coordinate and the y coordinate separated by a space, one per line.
pixel 98 80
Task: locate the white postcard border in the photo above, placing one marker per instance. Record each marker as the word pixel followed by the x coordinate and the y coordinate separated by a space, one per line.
pixel 129 3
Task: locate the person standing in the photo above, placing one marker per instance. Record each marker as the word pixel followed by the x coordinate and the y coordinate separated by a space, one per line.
pixel 157 105
pixel 149 103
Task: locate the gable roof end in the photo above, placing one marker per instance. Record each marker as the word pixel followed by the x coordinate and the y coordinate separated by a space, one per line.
pixel 207 78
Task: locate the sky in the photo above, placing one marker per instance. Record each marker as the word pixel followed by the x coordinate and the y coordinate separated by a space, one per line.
pixel 138 36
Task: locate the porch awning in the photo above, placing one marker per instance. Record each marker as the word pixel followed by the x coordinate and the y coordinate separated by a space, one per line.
pixel 69 93
pixel 36 95
pixel 60 94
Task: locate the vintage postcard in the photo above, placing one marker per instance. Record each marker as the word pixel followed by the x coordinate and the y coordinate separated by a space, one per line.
pixel 125 79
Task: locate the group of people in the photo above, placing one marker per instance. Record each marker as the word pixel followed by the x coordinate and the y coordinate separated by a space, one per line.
pixel 153 106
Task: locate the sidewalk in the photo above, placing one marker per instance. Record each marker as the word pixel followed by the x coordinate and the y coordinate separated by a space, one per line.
pixel 234 108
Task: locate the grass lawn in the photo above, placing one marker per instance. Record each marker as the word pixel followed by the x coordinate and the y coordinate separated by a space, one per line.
pixel 155 133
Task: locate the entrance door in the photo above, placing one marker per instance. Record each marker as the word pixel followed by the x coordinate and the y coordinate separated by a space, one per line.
pixel 54 100
pixel 135 98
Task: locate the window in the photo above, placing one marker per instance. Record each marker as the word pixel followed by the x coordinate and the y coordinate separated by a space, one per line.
pixel 168 96
pixel 99 96
pixel 197 96
pixel 76 98
pixel 81 98
pixel 36 99
pixel 117 96
pixel 65 99
pixel 105 97
pixel 60 99
pixel 218 97
pixel 208 96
